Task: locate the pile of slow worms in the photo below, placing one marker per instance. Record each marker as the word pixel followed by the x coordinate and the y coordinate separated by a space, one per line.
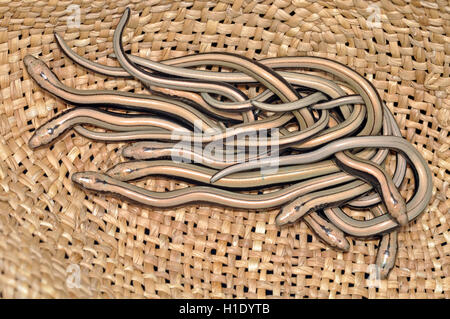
pixel 333 139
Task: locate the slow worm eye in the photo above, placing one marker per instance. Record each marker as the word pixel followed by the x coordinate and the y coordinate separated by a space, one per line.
pixel 50 130
pixel 44 76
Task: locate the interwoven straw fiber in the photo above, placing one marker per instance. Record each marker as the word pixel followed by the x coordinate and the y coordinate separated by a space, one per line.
pixel 51 231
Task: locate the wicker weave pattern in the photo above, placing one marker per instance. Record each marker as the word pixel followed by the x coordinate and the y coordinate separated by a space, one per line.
pixel 50 229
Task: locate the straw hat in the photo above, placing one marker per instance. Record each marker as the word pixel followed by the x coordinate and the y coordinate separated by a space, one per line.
pixel 58 241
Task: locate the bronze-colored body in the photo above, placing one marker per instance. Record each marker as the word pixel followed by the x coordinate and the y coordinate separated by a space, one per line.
pixel 320 171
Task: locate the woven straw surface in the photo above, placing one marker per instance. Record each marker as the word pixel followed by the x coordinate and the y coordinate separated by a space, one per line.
pixel 51 231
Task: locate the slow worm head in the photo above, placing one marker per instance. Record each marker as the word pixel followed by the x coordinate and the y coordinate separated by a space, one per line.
pixel 326 231
pixel 375 175
pixel 90 180
pixel 42 136
pixel 387 249
pixel 308 203
pixel 38 69
pixel 387 253
pixel 123 171
pixel 137 151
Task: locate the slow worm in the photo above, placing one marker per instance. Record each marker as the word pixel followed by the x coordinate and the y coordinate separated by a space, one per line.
pixel 104 183
pixel 65 120
pixel 392 198
pixel 387 248
pixel 319 182
pixel 131 68
pixel 48 81
pixel 326 168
